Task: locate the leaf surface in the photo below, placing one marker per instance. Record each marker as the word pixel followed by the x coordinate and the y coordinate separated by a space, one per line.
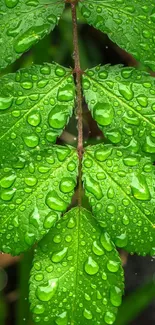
pixel 23 24
pixel 120 188
pixel 77 276
pixel 35 106
pixel 130 25
pixel 35 189
pixel 122 101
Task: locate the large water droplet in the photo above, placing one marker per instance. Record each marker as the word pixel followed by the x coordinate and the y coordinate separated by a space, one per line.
pixel 115 296
pixel 140 188
pixel 87 314
pixel 62 319
pixel 93 187
pixel 67 184
pixel 58 117
pixel 55 202
pixel 131 161
pixel 103 113
pixel 34 118
pixel 149 145
pixel 106 242
pixel 30 37
pixel 66 93
pixel 113 266
pixel 46 292
pixel 121 240
pixel 11 3
pixel 35 218
pixel 5 103
pixel 7 181
pixel 103 154
pixel 38 309
pixel 58 256
pixel 91 267
pixel 31 140
pixel 97 249
pixel 109 318
pixel 50 220
pixel 60 71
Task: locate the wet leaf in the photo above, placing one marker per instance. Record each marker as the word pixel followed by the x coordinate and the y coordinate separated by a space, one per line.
pixel 35 189
pixel 120 188
pixel 77 276
pixel 23 24
pixel 131 25
pixel 122 102
pixel 35 106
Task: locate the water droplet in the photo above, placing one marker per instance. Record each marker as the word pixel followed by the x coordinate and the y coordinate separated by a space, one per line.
pixel 142 100
pixel 114 136
pixel 91 267
pixel 31 140
pixel 109 318
pixel 115 296
pixel 110 193
pixel 113 266
pixel 62 319
pixel 60 71
pixel 121 240
pixel 55 202
pixel 58 256
pixel 103 154
pixel 111 208
pixel 149 145
pixel 140 188
pixel 97 249
pixel 5 103
pixel 71 166
pixel 7 181
pixel 62 153
pixel 29 238
pixel 34 118
pixel 38 309
pixel 30 37
pixel 71 223
pixel 126 91
pixel 87 314
pixel 93 187
pixel 131 161
pixel 106 242
pixel 7 195
pixel 66 93
pixel 35 218
pixel 11 3
pixel 30 181
pixel 103 113
pixel 67 184
pixel 125 220
pixel 46 292
pixel 58 118
pixel 50 220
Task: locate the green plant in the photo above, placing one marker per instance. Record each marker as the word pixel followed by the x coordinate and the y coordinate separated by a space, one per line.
pixel 77 276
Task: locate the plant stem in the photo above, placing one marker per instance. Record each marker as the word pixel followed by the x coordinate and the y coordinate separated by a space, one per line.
pixel 78 72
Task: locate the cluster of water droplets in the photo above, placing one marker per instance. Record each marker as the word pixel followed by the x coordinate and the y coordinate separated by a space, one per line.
pixel 76 267
pixel 23 24
pixel 122 102
pixel 35 108
pixel 33 194
pixel 130 26
pixel 120 188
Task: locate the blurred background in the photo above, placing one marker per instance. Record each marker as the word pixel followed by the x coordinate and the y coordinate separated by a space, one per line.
pixel 138 306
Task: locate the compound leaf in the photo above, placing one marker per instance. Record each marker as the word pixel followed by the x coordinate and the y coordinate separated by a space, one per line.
pixel 35 105
pixel 129 25
pixel 23 24
pixel 120 188
pixel 35 190
pixel 122 102
pixel 77 276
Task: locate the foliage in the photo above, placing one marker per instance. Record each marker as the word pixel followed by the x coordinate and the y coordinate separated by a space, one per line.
pixel 76 275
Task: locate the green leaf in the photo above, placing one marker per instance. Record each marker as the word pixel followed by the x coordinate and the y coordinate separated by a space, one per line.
pixel 77 276
pixel 120 188
pixel 23 24
pixel 35 106
pixel 129 25
pixel 35 190
pixel 122 102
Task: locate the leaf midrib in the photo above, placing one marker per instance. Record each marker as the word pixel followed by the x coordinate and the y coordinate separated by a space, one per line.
pixel 114 181
pixel 122 102
pixel 33 107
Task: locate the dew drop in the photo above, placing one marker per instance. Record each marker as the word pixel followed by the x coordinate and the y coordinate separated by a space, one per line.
pixel 60 71
pixel 7 181
pixel 106 242
pixel 140 188
pixel 115 296
pixel 46 292
pixel 113 266
pixel 11 3
pixel 5 103
pixel 109 317
pixel 55 202
pixel 67 185
pixel 103 113
pixel 91 267
pixel 103 154
pixel 38 309
pixel 50 220
pixel 31 140
pixel 57 117
pixel 62 319
pixel 66 93
pixel 87 314
pixel 34 118
pixel 121 240
pixel 59 256
pixel 97 249
pixel 93 187
pixel 126 92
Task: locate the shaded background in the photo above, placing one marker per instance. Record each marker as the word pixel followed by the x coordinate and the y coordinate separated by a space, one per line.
pixel 138 306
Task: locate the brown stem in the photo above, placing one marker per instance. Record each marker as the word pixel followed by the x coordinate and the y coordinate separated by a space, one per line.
pixel 78 72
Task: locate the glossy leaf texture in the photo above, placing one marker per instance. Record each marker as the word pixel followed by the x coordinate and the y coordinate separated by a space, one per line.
pixel 122 101
pixel 35 106
pixel 120 188
pixel 35 189
pixel 77 276
pixel 130 25
pixel 23 24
